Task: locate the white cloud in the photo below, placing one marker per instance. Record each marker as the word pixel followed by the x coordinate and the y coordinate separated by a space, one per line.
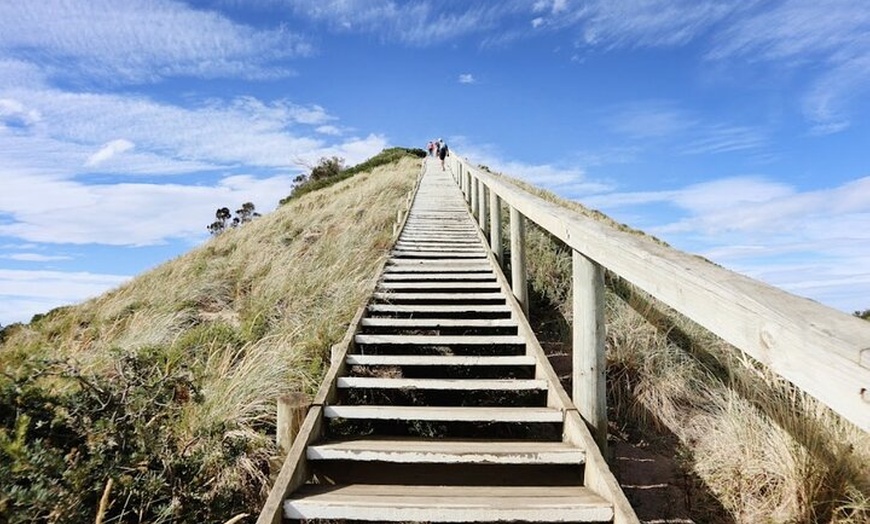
pixel 328 130
pixel 48 210
pixel 569 182
pixel 167 138
pixel 661 120
pixel 466 78
pixel 828 38
pixel 650 120
pixel 814 243
pixel 26 293
pixel 35 257
pixel 141 41
pixel 418 23
pixel 13 113
pixel 115 147
pixel 633 23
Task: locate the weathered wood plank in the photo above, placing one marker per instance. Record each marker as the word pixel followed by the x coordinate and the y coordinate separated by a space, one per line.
pixel 440 340
pixel 390 503
pixel 440 451
pixel 439 360
pixel 445 414
pixel 458 276
pixel 471 294
pixel 430 323
pixel 442 384
pixel 471 286
pixel 425 308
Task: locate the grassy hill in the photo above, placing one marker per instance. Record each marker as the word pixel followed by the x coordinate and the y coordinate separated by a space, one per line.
pixel 160 394
pixel 167 385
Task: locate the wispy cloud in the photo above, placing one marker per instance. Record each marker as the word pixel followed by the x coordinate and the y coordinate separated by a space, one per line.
pixel 663 121
pixel 570 181
pixel 650 120
pixel 26 293
pixel 35 257
pixel 115 147
pixel 803 241
pixel 416 22
pixel 637 23
pixel 467 78
pixel 830 37
pixel 167 138
pixel 141 41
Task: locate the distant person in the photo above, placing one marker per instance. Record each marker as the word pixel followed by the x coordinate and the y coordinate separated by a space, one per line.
pixel 442 153
pixel 431 148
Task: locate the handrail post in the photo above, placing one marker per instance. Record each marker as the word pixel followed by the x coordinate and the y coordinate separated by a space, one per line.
pixel 468 186
pixel 481 213
pixel 495 226
pixel 474 197
pixel 518 259
pixel 588 361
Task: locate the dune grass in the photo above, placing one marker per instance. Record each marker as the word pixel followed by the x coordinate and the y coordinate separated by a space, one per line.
pixel 167 385
pixel 766 451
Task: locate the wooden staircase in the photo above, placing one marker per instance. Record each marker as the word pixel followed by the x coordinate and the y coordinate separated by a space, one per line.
pixel 443 407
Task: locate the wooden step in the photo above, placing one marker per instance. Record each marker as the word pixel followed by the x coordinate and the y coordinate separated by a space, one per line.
pixel 443 384
pixel 440 451
pixel 458 277
pixel 437 255
pixel 462 286
pixel 444 414
pixel 440 360
pixel 471 295
pixel 464 267
pixel 436 340
pixel 434 323
pixel 421 503
pixel 445 261
pixel 458 308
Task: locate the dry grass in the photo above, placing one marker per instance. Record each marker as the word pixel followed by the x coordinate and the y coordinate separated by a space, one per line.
pixel 252 312
pixel 766 451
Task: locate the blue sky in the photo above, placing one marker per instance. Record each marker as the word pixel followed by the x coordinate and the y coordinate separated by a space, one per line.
pixel 737 130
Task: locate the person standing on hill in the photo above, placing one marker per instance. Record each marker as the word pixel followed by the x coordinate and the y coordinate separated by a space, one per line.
pixel 442 152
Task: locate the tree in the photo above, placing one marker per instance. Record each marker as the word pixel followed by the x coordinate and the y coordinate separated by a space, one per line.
pixel 326 168
pixel 243 215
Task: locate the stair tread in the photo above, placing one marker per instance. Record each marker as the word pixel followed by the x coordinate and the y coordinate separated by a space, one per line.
pixel 472 294
pixel 447 414
pixel 457 277
pixel 397 503
pixel 442 451
pixel 438 322
pixel 440 308
pixel 440 360
pixel 443 384
pixel 440 285
pixel 440 340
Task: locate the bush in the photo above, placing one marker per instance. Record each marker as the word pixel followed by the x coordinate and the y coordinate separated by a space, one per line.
pixel 330 171
pixel 65 433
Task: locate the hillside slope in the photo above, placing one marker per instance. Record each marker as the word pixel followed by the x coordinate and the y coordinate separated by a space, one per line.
pixel 160 393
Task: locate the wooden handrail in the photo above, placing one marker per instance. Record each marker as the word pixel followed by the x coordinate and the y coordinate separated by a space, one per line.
pixel 822 351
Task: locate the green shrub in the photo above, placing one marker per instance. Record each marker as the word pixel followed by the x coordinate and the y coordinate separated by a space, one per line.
pixel 65 433
pixel 330 171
